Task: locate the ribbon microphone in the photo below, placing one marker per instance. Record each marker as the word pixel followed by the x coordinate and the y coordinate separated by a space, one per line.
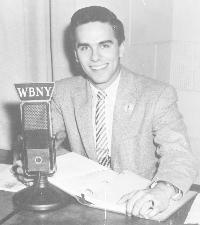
pixel 38 153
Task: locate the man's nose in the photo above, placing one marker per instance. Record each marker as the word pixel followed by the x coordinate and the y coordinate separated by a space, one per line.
pixel 95 55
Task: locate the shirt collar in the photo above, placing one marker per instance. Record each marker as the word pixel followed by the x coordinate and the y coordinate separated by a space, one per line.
pixel 109 90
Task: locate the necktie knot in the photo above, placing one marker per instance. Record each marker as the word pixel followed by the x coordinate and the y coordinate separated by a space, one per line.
pixel 101 95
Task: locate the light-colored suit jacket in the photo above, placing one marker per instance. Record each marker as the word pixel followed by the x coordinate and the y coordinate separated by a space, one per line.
pixel 149 136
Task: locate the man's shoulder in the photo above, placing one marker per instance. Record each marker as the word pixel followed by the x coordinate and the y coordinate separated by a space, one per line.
pixel 145 83
pixel 69 82
pixel 66 86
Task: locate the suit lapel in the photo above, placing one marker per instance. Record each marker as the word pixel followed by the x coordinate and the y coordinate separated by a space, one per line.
pixel 124 107
pixel 83 113
pixel 127 94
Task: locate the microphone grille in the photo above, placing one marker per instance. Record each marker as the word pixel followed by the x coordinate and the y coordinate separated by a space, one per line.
pixel 35 116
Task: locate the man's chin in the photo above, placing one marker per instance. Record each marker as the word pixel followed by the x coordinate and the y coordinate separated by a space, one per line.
pixel 98 78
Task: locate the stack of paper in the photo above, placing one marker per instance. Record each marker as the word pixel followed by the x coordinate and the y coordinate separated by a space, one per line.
pixel 102 187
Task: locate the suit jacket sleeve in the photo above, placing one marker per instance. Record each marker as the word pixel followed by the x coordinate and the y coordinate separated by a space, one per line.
pixel 59 131
pixel 177 164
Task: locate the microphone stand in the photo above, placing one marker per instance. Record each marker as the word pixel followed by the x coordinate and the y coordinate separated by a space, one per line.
pixel 42 196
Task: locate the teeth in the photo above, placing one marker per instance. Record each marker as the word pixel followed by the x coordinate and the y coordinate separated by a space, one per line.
pixel 98 67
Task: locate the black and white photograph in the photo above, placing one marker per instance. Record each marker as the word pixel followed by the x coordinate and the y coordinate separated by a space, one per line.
pixel 100 112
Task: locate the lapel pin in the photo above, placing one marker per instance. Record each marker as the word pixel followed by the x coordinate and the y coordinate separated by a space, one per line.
pixel 129 108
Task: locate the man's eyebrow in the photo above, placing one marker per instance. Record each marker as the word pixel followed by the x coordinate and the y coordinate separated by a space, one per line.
pixel 106 42
pixel 82 44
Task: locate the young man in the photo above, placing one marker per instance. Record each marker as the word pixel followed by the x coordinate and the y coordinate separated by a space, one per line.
pixel 142 130
pixel 120 119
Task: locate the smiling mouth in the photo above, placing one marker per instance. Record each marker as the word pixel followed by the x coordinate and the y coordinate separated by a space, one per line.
pixel 99 67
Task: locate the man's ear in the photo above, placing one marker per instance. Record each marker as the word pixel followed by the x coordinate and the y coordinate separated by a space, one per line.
pixel 76 57
pixel 121 49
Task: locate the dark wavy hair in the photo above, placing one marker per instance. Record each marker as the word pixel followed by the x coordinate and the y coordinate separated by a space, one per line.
pixel 94 14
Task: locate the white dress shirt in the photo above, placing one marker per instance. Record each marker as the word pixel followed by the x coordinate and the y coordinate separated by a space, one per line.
pixel 111 92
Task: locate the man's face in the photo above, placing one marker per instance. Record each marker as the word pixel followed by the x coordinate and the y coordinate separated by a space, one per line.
pixel 98 52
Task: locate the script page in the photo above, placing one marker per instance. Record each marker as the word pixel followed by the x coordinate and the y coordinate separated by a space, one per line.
pixel 103 187
pixel 79 176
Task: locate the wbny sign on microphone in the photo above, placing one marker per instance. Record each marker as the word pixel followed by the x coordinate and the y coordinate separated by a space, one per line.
pixel 35 91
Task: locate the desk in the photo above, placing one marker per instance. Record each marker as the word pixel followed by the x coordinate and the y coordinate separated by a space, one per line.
pixel 75 214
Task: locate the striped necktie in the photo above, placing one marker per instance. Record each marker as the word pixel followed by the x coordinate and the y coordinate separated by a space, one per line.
pixel 101 133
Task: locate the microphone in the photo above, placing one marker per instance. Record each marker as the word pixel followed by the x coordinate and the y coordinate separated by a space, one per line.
pixel 38 153
pixel 37 136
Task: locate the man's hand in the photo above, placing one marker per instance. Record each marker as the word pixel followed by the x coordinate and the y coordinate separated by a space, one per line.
pixel 149 202
pixel 59 143
pixel 18 171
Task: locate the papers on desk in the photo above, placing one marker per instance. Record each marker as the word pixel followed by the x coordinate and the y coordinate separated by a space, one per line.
pixel 101 187
pixel 193 216
pixel 8 181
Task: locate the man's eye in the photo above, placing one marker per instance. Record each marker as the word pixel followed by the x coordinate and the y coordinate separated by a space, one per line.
pixel 83 48
pixel 105 45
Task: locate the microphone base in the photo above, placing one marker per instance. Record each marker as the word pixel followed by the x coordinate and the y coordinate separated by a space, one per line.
pixel 40 198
